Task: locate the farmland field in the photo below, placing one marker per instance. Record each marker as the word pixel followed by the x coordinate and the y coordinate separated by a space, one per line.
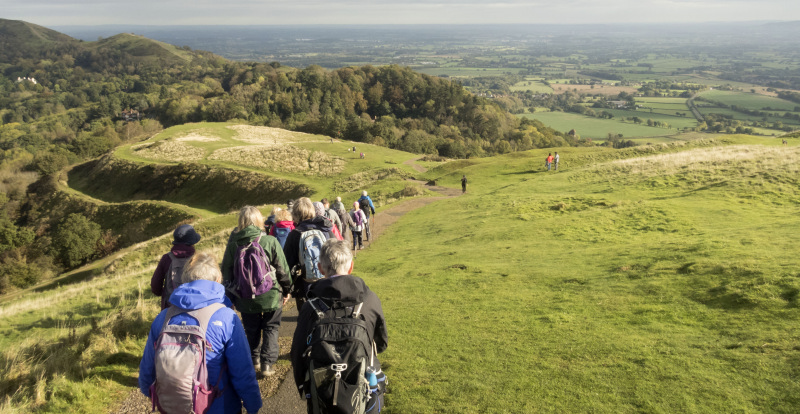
pixel 596 128
pixel 749 101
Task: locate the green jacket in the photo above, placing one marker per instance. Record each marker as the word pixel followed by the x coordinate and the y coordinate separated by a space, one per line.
pixel 271 300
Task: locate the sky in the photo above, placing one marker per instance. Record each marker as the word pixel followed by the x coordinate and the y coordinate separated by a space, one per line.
pixel 272 12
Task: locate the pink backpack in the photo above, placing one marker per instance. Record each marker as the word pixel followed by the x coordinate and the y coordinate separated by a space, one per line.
pixel 181 384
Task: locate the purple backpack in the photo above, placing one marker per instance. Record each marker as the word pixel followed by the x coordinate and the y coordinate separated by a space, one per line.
pixel 181 384
pixel 252 273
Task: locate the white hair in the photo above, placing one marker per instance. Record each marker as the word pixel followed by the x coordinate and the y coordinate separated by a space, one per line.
pixel 363 193
pixel 335 257
pixel 202 266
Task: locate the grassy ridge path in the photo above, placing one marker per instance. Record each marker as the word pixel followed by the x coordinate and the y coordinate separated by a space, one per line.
pixel 279 392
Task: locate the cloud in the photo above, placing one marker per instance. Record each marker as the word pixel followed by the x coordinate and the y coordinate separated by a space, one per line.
pixel 169 12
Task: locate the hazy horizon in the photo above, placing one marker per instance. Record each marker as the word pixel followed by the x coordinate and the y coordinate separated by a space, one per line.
pixel 357 12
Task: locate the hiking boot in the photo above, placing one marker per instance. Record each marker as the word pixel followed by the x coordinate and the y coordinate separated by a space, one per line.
pixel 256 364
pixel 267 370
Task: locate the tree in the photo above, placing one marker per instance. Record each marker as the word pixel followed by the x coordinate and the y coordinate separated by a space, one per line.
pixel 75 239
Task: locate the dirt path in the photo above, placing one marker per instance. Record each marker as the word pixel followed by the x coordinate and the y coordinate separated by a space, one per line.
pixel 278 391
pixel 413 163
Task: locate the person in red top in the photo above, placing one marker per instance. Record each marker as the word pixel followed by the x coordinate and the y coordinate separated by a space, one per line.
pixel 184 239
pixel 549 161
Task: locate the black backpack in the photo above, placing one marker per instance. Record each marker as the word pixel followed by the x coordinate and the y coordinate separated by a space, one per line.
pixel 337 358
pixel 364 205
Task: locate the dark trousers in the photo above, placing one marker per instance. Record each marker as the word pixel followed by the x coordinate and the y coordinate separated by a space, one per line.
pixel 258 326
pixel 357 239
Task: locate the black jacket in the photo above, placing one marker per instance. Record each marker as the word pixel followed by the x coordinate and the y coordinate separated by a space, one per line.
pixel 291 249
pixel 350 290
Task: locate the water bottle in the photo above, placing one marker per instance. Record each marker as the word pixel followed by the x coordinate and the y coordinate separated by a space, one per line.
pixel 373 381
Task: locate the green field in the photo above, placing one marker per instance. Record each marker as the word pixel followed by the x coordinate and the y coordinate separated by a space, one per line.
pixel 649 279
pixel 749 101
pixel 531 85
pixel 597 128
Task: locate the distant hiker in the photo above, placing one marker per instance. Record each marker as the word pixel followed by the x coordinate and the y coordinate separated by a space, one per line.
pixel 369 210
pixel 555 159
pixel 256 276
pixel 359 223
pixel 271 219
pixel 362 155
pixel 319 209
pixel 289 205
pixel 283 226
pixel 167 275
pixel 225 373
pixel 331 215
pixel 354 149
pixel 302 247
pixel 464 183
pixel 339 333
pixel 338 205
pixel 548 161
pixel 785 142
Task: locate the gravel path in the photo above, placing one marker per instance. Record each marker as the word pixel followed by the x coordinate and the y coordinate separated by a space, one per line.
pixel 279 392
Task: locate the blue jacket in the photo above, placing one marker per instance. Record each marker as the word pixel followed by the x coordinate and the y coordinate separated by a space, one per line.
pixel 225 334
pixel 366 197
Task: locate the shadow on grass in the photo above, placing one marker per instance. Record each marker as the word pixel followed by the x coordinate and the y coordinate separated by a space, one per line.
pixel 76 277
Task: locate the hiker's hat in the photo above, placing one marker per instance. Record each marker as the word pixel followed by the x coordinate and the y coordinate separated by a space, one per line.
pixel 185 234
pixel 355 204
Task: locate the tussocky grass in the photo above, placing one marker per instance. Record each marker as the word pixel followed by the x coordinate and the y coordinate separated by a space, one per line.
pixel 600 288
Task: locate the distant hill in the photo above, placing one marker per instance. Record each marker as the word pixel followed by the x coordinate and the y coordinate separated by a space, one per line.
pixel 144 48
pixel 19 39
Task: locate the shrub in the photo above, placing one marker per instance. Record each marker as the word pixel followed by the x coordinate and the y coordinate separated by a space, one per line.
pixel 49 163
pixel 75 239
pixel 19 274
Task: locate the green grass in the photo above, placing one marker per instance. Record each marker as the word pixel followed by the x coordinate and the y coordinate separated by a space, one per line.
pixel 652 279
pixel 600 288
pixel 597 128
pixel 531 85
pixel 749 101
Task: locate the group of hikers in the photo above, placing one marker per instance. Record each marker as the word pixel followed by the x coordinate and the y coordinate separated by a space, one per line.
pixel 200 357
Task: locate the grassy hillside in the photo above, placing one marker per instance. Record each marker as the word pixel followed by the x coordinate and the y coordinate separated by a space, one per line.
pixel 650 279
pixel 322 167
pixel 144 48
pixel 22 39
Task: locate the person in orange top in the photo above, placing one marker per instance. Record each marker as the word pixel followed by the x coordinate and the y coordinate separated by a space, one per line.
pixel 549 161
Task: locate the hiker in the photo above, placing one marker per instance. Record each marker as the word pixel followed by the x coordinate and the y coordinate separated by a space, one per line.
pixel 555 160
pixel 359 221
pixel 289 205
pixel 271 219
pixel 367 207
pixel 310 230
pixel 347 221
pixel 341 298
pixel 319 210
pixel 331 215
pixel 464 183
pixel 199 303
pixel 261 300
pixel 362 155
pixel 338 205
pixel 548 161
pixel 283 226
pixel 168 272
pixel 785 142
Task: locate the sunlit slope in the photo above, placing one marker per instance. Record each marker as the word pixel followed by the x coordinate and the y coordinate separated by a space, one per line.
pixel 661 282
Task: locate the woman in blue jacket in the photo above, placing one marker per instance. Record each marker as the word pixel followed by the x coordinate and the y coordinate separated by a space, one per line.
pixel 229 350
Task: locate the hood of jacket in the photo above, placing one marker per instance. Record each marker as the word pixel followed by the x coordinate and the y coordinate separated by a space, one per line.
pixel 317 223
pixel 348 289
pixel 182 250
pixel 246 235
pixel 198 294
pixel 285 224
